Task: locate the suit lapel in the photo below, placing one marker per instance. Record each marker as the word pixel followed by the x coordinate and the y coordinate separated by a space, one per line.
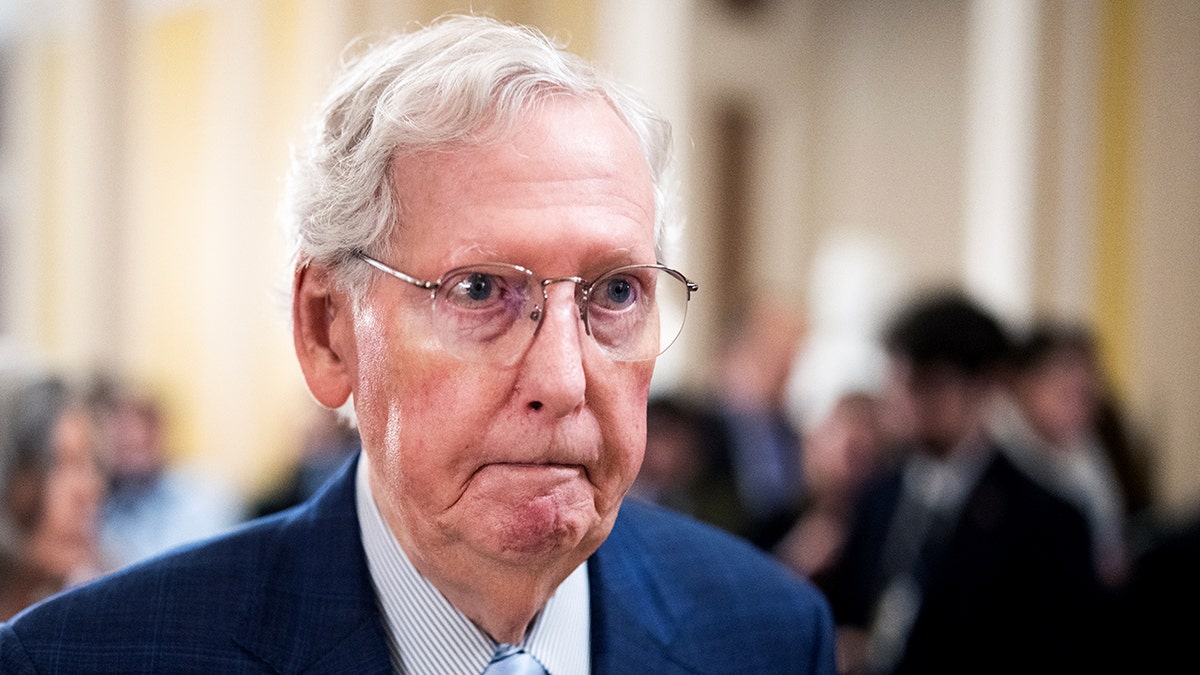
pixel 633 622
pixel 317 611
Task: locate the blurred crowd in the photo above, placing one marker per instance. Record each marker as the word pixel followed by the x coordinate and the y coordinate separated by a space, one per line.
pixel 987 508
pixel 88 483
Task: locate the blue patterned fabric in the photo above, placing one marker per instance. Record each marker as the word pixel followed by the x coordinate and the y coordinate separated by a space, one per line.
pixel 292 594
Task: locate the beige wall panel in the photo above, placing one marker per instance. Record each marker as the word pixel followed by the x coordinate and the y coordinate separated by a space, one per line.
pixel 1165 390
pixel 21 163
pixel 47 224
pixel 1064 247
pixel 888 131
pixel 163 279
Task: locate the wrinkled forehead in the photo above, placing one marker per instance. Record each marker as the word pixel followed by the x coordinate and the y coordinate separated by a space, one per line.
pixel 572 167
pixel 474 125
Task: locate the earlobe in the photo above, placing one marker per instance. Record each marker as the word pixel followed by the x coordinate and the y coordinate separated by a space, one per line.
pixel 320 314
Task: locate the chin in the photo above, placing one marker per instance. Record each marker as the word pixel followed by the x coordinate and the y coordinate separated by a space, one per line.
pixel 542 531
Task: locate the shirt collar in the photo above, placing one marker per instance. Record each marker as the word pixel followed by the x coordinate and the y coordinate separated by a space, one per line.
pixel 943 484
pixel 426 634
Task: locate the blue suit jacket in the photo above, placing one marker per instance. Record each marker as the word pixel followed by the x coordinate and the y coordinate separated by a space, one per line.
pixel 292 594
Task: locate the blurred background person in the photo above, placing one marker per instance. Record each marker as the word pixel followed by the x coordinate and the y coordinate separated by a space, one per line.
pixel 50 488
pixel 1050 425
pixel 956 561
pixel 676 471
pixel 328 443
pixel 673 462
pixel 842 452
pixel 152 504
pixel 753 443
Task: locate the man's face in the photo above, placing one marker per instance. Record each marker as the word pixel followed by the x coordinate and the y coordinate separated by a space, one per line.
pixel 939 405
pixel 63 540
pixel 518 464
pixel 1059 397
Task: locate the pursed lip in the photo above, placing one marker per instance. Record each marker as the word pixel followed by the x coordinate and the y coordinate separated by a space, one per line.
pixel 542 469
pixel 533 465
pixel 526 478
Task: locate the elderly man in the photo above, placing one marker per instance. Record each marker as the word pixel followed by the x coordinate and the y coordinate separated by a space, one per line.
pixel 478 274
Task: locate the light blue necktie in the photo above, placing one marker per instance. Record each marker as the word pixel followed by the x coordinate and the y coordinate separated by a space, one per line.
pixel 512 660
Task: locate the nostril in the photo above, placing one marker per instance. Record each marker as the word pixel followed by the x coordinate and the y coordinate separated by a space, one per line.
pixel 535 405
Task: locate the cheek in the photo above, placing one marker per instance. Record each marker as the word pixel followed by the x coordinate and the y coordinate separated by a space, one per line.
pixel 420 417
pixel 619 403
pixel 625 455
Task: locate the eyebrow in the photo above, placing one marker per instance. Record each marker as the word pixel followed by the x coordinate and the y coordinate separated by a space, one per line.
pixel 594 265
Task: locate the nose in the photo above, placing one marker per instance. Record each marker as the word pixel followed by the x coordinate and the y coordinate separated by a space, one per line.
pixel 552 376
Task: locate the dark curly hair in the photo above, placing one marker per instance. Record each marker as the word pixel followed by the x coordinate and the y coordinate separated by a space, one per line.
pixel 948 328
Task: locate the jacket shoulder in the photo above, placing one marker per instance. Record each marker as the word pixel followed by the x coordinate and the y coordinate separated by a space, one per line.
pixel 279 593
pixel 711 600
pixel 698 554
pixel 184 597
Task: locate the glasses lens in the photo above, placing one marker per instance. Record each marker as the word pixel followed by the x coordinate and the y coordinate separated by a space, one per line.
pixel 482 312
pixel 490 312
pixel 636 312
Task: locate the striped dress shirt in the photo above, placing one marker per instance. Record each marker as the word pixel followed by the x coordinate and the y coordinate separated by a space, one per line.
pixel 429 636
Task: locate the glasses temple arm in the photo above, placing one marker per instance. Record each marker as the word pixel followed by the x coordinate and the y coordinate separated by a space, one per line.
pixel 427 285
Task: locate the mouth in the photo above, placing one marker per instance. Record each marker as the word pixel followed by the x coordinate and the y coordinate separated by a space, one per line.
pixel 524 482
pixel 528 476
pixel 554 467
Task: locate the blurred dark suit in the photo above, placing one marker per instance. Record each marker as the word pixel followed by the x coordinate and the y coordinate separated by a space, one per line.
pixel 1006 588
pixel 754 461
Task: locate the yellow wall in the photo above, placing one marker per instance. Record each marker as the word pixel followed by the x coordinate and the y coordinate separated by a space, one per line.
pixel 1114 236
pixel 168 98
pixel 206 97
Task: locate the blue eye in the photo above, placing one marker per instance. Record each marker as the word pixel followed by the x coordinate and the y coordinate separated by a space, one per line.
pixel 617 292
pixel 477 287
pixel 486 287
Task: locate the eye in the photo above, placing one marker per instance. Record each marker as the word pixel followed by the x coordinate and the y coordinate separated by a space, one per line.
pixel 477 289
pixel 486 287
pixel 618 292
pixel 478 305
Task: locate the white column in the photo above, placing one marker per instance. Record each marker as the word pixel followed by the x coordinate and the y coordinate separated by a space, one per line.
pixel 998 210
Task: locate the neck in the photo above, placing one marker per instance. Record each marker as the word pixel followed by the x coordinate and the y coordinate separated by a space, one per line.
pixel 500 591
pixel 501 599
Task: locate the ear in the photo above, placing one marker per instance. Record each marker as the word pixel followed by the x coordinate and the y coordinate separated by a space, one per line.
pixel 322 329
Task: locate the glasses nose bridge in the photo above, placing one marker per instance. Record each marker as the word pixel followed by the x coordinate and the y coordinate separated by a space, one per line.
pixel 580 293
pixel 580 287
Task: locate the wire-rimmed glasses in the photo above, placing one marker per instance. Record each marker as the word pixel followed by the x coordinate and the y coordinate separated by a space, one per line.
pixel 490 312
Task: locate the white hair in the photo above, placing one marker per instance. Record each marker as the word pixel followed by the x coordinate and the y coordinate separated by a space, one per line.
pixel 462 80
